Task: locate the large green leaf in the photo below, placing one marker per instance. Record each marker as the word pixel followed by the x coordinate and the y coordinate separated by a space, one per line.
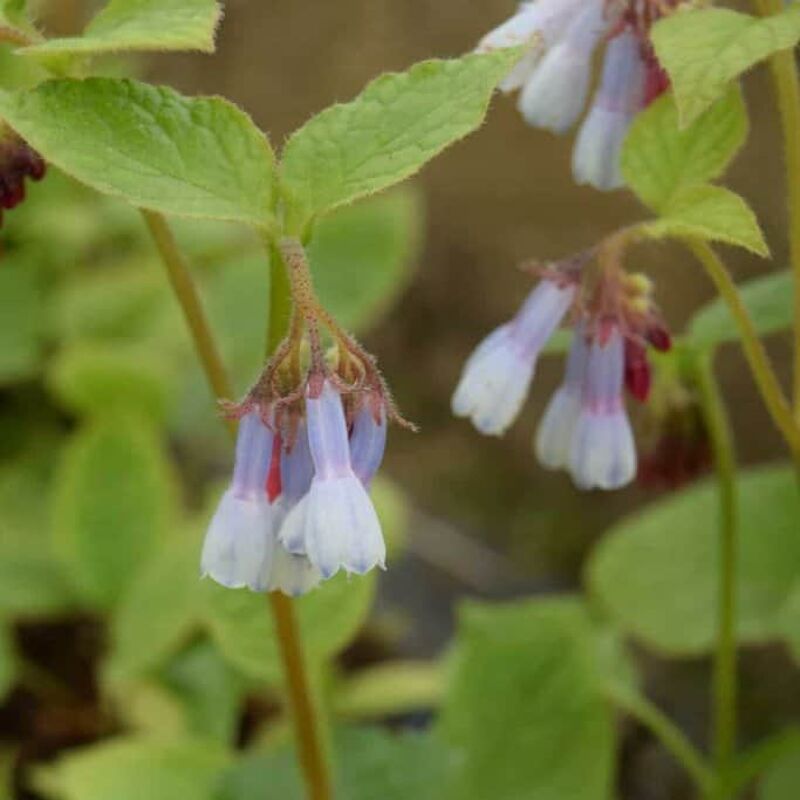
pixel 399 122
pixel 768 300
pixel 112 507
pixel 142 25
pixel 713 213
pixel 242 627
pixel 159 610
pixel 361 256
pixel 368 763
pixel 135 769
pixel 703 50
pixel 21 318
pixel 656 572
pixel 659 160
pixel 525 711
pixel 195 157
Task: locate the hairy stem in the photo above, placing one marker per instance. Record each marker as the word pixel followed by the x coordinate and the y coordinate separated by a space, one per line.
pixel 306 720
pixel 665 730
pixel 787 95
pixel 305 727
pixel 725 681
pixel 754 351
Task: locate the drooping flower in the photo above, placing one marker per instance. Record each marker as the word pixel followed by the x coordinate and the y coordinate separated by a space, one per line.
pixel 238 547
pixel 498 375
pixel 554 73
pixel 603 453
pixel 620 96
pixel 368 440
pixel 335 523
pixel 553 442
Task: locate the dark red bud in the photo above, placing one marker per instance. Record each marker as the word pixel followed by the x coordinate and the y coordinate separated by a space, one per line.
pixel 638 374
pixel 656 81
pixel 659 337
pixel 274 486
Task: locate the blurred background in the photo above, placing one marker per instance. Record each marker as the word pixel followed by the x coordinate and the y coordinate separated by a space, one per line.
pixel 470 516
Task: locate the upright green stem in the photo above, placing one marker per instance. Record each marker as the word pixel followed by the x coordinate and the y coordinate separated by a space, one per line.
pixel 669 734
pixel 725 683
pixel 303 714
pixel 754 351
pixel 787 94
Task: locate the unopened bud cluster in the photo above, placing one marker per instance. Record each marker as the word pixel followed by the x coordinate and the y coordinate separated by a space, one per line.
pixel 18 161
pixel 585 428
pixel 553 75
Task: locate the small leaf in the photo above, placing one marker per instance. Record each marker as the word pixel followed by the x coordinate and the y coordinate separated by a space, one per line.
pixel 669 550
pixel 525 710
pixel 369 763
pixel 659 160
pixel 132 769
pixel 399 122
pixel 394 687
pixel 194 157
pixel 159 610
pixel 242 627
pixel 131 25
pixel 782 779
pixel 21 319
pixel 703 50
pixel 101 380
pixel 32 585
pixel 768 300
pixel 712 213
pixel 361 256
pixel 112 507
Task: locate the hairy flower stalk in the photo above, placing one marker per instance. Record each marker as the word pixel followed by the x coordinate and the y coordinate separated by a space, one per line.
pixel 312 437
pixel 585 429
pixel 554 73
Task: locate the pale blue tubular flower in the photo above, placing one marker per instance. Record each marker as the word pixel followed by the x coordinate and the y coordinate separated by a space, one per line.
pixel 238 547
pixel 620 96
pixel 335 524
pixel 554 437
pixel 603 453
pixel 368 440
pixel 497 376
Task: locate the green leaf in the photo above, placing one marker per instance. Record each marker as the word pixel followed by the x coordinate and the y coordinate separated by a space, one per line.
pixel 705 49
pixel 21 319
pixel 789 622
pixel 361 256
pixel 329 618
pixel 768 300
pixel 712 213
pixel 32 585
pixel 659 160
pixel 210 690
pixel 399 122
pixel 158 611
pixel 130 25
pixel 104 380
pixel 369 763
pixel 782 779
pixel 669 550
pixel 8 665
pixel 394 687
pixel 112 507
pixel 133 769
pixel 525 710
pixel 194 157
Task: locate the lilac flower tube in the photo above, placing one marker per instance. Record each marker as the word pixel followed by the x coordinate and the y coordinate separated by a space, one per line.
pixel 596 157
pixel 368 443
pixel 238 547
pixel 497 376
pixel 556 430
pixel 603 453
pixel 335 524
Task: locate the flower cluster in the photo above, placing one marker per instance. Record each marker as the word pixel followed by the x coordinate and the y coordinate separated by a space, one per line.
pixel 585 428
pixel 309 444
pixel 554 73
pixel 17 162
